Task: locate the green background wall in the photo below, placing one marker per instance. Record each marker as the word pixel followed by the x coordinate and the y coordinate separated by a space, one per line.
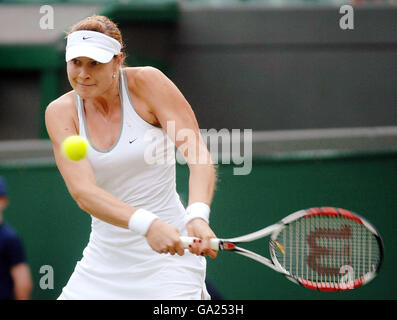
pixel 55 230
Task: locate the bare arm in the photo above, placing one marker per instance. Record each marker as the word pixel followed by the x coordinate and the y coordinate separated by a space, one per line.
pixel 79 176
pixel 80 181
pixel 21 277
pixel 172 111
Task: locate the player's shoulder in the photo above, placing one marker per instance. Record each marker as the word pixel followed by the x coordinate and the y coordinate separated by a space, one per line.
pixel 142 72
pixel 143 76
pixel 62 105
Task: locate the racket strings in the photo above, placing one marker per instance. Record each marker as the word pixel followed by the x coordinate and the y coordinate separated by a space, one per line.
pixel 327 249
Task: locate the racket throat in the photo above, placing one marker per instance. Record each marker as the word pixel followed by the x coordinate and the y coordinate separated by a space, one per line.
pixel 225 245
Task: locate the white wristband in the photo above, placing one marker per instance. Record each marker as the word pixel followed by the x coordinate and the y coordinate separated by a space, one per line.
pixel 198 210
pixel 141 220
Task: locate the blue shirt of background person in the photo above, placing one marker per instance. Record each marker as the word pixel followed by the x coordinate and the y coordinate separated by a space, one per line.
pixel 15 277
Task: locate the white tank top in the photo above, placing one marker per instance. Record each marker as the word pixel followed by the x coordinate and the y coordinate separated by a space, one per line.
pixel 138 169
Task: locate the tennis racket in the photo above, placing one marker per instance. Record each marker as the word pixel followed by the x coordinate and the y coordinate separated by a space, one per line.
pixel 325 249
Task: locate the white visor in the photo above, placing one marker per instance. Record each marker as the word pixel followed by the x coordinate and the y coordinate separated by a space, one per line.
pixel 91 44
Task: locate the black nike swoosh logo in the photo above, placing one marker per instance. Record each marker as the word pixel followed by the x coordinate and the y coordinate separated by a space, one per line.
pixel 131 141
pixel 86 38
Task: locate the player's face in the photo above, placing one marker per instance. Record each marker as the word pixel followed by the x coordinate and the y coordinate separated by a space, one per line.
pixel 90 78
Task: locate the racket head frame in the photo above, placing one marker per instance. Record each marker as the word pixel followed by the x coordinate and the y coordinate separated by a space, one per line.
pixel 231 244
pixel 328 211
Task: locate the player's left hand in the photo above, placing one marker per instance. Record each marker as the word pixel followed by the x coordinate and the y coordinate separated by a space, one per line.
pixel 200 229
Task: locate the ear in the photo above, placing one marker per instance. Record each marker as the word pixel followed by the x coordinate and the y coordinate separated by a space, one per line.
pixel 120 60
pixel 117 61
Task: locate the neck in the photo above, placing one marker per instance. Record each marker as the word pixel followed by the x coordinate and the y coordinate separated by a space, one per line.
pixel 108 101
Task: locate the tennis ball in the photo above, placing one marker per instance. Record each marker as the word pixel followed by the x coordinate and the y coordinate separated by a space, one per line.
pixel 75 147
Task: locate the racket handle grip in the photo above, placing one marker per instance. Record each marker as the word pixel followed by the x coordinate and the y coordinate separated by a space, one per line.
pixel 214 243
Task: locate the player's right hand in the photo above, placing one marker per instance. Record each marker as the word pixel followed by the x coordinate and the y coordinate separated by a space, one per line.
pixel 164 238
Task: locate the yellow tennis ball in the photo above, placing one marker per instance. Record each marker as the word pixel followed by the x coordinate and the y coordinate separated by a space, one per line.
pixel 75 147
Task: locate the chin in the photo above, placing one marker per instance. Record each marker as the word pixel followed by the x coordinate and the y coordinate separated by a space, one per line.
pixel 86 93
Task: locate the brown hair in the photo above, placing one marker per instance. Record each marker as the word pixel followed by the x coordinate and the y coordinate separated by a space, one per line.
pixel 100 24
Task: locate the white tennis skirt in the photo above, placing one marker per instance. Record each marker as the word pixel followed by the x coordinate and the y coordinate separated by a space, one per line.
pixel 131 270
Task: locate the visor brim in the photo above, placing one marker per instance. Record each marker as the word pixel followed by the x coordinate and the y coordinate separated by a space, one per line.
pixel 96 54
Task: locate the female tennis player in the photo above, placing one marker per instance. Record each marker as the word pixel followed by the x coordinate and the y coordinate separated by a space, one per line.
pixel 134 250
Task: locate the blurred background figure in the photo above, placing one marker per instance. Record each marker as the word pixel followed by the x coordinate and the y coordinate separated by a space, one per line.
pixel 15 277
